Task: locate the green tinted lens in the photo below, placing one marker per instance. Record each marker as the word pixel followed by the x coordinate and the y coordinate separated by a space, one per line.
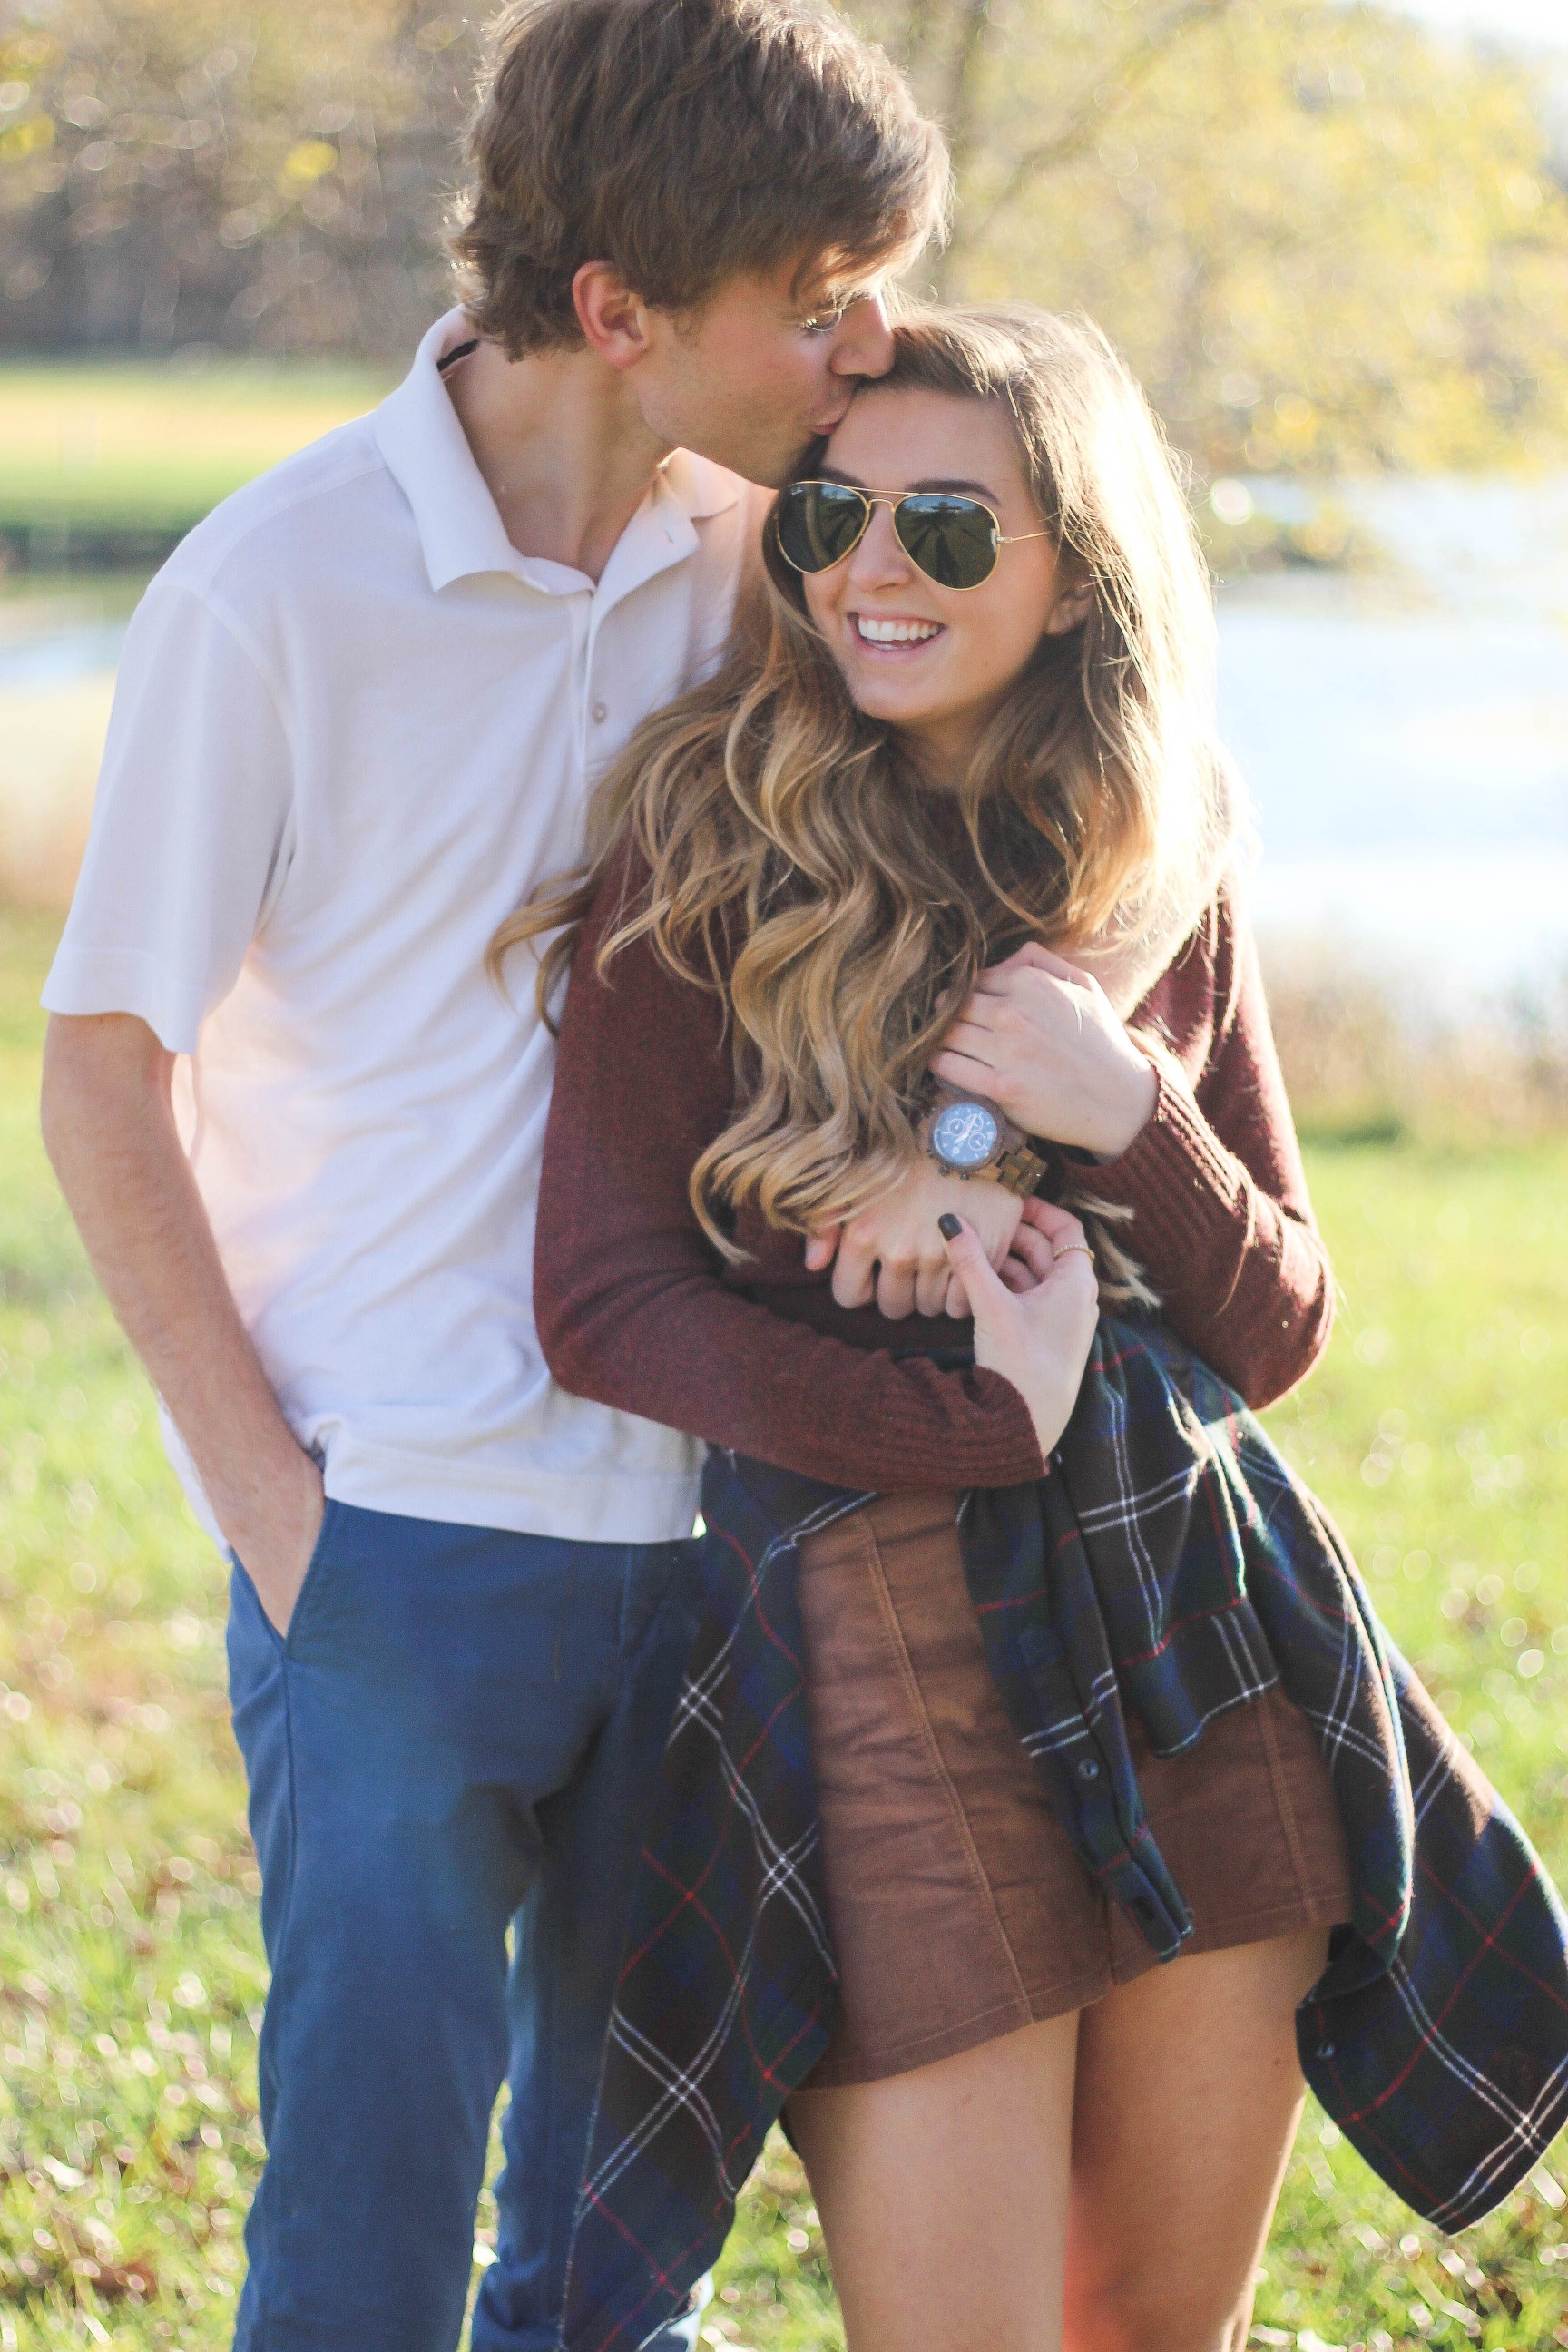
pixel 953 540
pixel 819 524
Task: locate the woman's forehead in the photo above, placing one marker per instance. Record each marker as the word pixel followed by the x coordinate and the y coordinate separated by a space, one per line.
pixel 896 437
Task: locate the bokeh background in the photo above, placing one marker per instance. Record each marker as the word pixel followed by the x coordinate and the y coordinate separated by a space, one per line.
pixel 1333 240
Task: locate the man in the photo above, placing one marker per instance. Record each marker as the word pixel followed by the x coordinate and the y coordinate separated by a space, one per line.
pixel 358 716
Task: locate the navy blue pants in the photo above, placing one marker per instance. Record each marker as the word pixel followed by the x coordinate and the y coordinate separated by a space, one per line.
pixel 458 1738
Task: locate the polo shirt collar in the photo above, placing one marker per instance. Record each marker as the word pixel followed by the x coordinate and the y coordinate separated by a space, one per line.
pixel 460 531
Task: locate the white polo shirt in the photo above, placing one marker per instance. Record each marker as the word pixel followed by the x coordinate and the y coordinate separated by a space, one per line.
pixel 354 727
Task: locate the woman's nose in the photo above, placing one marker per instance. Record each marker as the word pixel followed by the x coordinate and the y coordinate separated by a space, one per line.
pixel 879 561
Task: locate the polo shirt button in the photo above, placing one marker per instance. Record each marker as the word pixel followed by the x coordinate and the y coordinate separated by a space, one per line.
pixel 1088 1769
pixel 601 712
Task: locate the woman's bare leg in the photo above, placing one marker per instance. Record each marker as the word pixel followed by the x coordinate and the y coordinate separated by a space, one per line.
pixel 1188 2096
pixel 943 2196
pixel 1122 2164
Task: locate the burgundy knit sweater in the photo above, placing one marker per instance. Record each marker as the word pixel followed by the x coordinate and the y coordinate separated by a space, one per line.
pixel 635 1309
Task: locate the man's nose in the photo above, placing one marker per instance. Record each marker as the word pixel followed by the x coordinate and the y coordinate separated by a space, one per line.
pixel 864 345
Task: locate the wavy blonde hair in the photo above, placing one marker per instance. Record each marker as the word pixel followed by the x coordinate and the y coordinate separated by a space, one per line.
pixel 796 863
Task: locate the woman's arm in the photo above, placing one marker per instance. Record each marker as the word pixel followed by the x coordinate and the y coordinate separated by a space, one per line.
pixel 631 1306
pixel 1202 1150
pixel 1221 1216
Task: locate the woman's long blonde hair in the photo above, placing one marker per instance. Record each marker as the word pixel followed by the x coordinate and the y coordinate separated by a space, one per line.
pixel 796 863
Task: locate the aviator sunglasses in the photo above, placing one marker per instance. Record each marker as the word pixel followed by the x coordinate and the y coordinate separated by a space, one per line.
pixel 954 540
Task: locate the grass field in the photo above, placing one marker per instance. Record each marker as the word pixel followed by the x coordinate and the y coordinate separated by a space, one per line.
pixel 133 447
pixel 131 1975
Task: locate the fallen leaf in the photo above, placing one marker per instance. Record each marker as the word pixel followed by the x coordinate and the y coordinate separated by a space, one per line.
pixel 117 2278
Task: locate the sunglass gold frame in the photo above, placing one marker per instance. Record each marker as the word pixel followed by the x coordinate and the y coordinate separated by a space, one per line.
pixel 893 500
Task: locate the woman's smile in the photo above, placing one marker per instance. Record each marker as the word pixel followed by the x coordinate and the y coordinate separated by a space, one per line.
pixel 896 633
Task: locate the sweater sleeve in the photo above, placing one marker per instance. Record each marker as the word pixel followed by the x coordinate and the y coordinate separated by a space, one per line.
pixel 1221 1217
pixel 631 1303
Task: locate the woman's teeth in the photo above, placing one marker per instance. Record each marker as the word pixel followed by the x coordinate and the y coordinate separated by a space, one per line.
pixel 895 632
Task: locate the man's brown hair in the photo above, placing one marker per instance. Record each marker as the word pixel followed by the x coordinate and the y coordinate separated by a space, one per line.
pixel 683 141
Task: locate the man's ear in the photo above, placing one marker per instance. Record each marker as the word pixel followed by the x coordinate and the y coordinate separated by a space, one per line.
pixel 614 321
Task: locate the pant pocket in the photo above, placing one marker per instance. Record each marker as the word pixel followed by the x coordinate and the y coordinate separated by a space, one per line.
pixel 286 1644
pixel 259 1699
pixel 658 1578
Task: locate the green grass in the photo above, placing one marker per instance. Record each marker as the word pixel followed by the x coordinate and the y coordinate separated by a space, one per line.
pixel 128 445
pixel 130 1974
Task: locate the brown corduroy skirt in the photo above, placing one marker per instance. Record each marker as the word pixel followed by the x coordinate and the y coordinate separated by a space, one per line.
pixel 958 1908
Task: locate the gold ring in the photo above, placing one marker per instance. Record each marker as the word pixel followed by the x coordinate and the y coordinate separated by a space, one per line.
pixel 1068 1248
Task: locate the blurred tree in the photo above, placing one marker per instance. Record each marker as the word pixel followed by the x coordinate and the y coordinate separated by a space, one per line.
pixel 1324 238
pixel 187 171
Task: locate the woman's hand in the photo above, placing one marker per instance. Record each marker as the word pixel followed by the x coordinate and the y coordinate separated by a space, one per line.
pixel 1039 1038
pixel 893 1255
pixel 1034 1328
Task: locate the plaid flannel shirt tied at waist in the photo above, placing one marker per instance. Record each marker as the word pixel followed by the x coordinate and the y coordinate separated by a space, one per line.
pixel 1170 1562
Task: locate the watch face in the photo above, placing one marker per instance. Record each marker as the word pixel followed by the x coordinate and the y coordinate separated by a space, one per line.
pixel 965 1135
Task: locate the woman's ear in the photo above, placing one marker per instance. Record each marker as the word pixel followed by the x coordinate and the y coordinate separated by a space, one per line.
pixel 1074 601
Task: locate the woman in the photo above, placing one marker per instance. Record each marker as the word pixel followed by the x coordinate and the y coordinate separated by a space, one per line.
pixel 974 741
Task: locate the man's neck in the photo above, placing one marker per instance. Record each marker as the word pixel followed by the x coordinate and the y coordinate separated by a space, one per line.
pixel 562 449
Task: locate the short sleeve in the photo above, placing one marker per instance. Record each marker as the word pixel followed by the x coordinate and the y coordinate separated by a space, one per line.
pixel 191 825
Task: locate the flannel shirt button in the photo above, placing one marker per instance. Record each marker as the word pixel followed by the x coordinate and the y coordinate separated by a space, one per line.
pixel 1088 1769
pixel 1325 2050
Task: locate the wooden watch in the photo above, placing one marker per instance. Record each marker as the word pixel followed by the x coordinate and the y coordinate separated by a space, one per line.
pixel 967 1136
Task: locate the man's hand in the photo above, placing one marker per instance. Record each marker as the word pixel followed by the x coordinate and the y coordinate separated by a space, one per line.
pixel 275 1533
pixel 892 1254
pixel 1036 1330
pixel 1040 1039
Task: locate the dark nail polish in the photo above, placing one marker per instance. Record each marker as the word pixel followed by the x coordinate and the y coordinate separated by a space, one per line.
pixel 949 1227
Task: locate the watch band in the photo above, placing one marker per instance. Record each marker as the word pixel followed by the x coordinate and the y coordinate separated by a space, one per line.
pixel 1019 1168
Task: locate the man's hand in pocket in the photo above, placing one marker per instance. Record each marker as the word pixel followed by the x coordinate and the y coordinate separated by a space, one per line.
pixel 275 1531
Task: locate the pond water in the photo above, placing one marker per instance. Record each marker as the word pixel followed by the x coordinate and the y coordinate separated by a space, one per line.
pixel 1402 730
pixel 54 629
pixel 1405 737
